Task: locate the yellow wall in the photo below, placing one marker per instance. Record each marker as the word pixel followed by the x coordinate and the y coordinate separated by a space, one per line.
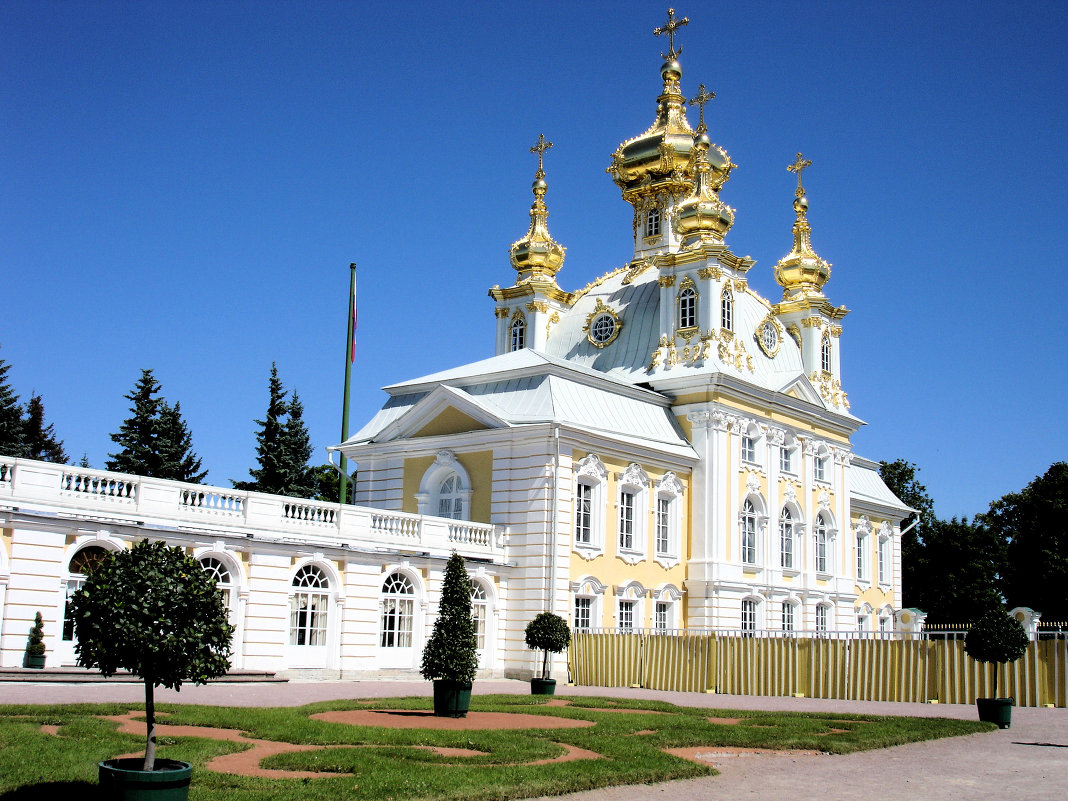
pixel 479 467
pixel 450 421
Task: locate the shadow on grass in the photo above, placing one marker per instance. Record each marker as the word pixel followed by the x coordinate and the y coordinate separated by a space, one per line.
pixel 55 791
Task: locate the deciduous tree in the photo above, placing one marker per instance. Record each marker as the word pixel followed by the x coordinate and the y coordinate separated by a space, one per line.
pixel 900 477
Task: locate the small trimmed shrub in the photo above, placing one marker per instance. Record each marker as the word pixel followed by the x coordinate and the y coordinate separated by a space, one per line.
pixel 547 633
pixel 996 637
pixel 451 653
pixel 35 642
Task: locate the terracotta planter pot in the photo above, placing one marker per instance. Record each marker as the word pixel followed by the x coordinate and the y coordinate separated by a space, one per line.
pixel 123 780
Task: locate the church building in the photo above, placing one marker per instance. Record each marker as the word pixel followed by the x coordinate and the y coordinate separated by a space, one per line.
pixel 661 449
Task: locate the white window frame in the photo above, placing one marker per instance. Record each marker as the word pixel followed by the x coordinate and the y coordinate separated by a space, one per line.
pixel 687 305
pixel 788 616
pixel 726 310
pixel 309 607
pixel 823 552
pixel 667 519
pixel 789 522
pixel 825 353
pixel 633 481
pixel 822 618
pixel 886 555
pixel 588 518
pixel 427 498
pixel 749 614
pixel 584 604
pixel 786 459
pixel 480 614
pixel 626 612
pixel 863 559
pixel 397 608
pixel 653 220
pixel 749 532
pixel 518 331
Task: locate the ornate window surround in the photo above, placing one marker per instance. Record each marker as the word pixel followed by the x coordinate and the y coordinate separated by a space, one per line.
pixel 590 472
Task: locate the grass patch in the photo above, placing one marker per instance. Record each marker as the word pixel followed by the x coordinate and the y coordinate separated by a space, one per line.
pixel 380 763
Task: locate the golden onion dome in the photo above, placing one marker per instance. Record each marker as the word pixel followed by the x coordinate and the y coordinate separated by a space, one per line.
pixel 801 272
pixel 703 217
pixel 538 255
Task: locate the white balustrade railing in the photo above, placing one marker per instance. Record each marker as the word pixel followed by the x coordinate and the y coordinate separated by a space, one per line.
pixel 30 484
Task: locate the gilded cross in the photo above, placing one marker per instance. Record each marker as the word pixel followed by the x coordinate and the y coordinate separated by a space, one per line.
pixel 703 96
pixel 540 149
pixel 672 26
pixel 797 167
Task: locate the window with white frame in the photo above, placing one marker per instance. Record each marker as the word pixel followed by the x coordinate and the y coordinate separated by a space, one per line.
pixel 822 549
pixel 662 616
pixel 884 623
pixel 663 524
pixel 583 613
pixel 726 311
pixel 583 513
pixel 748 527
pixel 398 612
pixel 451 498
pixel 749 615
pixel 667 517
pixel 786 459
pixel 821 617
pixel 590 477
pixel 519 332
pixel 864 619
pixel 825 353
pixel 652 222
pixel 218 571
pixel 81 565
pixel 748 447
pixel 479 613
pixel 862 555
pixel 626 519
pixel 627 611
pixel 632 510
pixel 819 467
pixel 688 307
pixel 787 534
pixel 884 560
pixel 787 616
pixel 308 607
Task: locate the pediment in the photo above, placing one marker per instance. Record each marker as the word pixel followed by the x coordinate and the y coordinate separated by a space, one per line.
pixel 801 388
pixel 446 410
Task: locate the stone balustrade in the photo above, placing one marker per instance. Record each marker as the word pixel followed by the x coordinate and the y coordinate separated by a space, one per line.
pixel 128 499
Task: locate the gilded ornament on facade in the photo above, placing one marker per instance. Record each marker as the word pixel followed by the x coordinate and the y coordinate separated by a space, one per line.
pixel 666 280
pixel 708 273
pixel 500 312
pixel 635 269
pixel 603 325
pixel 769 334
pixel 538 305
pixel 830 389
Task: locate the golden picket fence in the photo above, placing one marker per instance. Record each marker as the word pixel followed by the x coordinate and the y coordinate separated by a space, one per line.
pixel 838 665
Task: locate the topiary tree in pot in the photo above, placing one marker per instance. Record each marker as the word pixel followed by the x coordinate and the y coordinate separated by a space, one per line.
pixel 35 647
pixel 151 610
pixel 549 634
pixel 450 657
pixel 996 637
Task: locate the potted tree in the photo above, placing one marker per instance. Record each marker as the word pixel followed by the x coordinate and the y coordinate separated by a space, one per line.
pixel 547 633
pixel 151 610
pixel 35 647
pixel 996 637
pixel 450 657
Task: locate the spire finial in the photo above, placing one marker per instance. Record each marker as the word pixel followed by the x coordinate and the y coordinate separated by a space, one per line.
pixel 672 26
pixel 798 166
pixel 540 149
pixel 703 96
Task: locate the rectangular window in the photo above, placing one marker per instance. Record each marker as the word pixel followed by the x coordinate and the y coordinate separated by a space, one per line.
pixel 663 616
pixel 748 449
pixel 749 540
pixel 787 616
pixel 397 615
pixel 862 623
pixel 582 613
pixel 626 615
pixel 884 624
pixel 819 469
pixel 748 616
pixel 786 542
pixel 307 619
pixel 862 558
pixel 884 561
pixel 786 460
pixel 821 552
pixel 626 520
pixel 584 514
pixel 821 618
pixel 663 525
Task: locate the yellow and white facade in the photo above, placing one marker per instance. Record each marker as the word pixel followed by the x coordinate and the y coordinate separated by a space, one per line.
pixel 664 447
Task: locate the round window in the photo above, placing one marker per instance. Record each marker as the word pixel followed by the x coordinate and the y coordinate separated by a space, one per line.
pixel 603 329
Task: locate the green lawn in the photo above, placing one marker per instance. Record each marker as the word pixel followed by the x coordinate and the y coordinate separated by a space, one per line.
pixel 38 765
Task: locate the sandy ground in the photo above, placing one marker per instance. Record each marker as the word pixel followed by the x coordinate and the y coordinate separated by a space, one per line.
pixel 1028 761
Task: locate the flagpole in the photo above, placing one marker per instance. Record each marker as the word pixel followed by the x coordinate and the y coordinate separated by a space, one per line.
pixel 350 357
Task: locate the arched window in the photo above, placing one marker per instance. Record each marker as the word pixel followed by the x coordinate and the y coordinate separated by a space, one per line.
pixel 479 616
pixel 519 332
pixel 652 222
pixel 825 354
pixel 748 526
pixel 308 607
pixel 398 611
pixel 822 551
pixel 81 565
pixel 786 538
pixel 726 311
pixel 451 498
pixel 688 307
pixel 221 573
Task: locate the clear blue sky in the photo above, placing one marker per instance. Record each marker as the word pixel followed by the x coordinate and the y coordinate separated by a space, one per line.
pixel 185 184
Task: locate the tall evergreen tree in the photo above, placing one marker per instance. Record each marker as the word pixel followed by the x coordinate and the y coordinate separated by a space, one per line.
pixel 283 447
pixel 154 440
pixel 1033 525
pixel 12 426
pixel 177 459
pixel 40 440
pixel 900 477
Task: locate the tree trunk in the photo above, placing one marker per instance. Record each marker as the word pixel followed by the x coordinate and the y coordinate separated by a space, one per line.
pixel 545 666
pixel 150 725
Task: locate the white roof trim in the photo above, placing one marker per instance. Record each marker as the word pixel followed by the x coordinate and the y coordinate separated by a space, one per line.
pixel 440 399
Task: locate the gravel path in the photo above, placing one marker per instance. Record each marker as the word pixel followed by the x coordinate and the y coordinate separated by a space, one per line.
pixel 1028 761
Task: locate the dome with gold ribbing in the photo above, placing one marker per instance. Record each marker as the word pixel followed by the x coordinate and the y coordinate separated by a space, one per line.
pixel 538 255
pixel 662 157
pixel 703 217
pixel 801 272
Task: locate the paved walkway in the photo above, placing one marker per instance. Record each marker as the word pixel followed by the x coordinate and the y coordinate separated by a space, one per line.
pixel 1028 761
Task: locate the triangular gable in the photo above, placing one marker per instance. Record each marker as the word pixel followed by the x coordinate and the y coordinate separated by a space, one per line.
pixel 801 388
pixel 446 410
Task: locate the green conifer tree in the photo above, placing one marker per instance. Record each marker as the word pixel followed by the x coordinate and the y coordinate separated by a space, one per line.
pixel 138 436
pixel 451 653
pixel 177 459
pixel 40 440
pixel 12 426
pixel 270 476
pixel 297 447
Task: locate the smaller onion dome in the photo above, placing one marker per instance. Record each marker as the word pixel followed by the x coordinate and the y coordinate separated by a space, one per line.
pixel 538 255
pixel 801 272
pixel 703 217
